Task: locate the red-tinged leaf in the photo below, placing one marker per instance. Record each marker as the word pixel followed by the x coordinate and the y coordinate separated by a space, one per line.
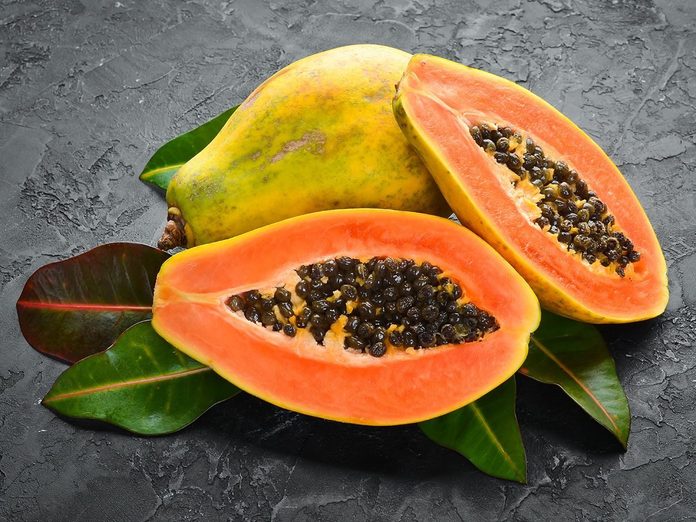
pixel 78 307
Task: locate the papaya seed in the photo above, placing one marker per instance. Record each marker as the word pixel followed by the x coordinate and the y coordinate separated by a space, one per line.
pixel 365 330
pixel 379 335
pixel 289 330
pixel 236 303
pixel 476 134
pixel 252 314
pixel 501 157
pixel 396 338
pixel 302 289
pixel 377 349
pixel 282 295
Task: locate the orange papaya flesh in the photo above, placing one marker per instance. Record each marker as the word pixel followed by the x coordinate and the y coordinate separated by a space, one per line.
pixel 438 102
pixel 191 310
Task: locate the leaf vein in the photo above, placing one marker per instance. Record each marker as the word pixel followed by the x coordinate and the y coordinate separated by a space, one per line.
pixel 563 367
pixel 125 384
pixel 491 435
pixel 84 306
pixel 147 174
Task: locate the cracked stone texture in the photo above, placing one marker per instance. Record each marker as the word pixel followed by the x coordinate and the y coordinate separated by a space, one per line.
pixel 88 90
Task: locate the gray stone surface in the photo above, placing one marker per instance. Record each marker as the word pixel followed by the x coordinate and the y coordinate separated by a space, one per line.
pixel 88 90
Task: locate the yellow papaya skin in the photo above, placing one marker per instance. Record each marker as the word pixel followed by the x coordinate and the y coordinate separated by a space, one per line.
pixel 317 135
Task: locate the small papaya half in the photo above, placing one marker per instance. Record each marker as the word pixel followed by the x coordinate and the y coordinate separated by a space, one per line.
pixel 536 188
pixel 367 316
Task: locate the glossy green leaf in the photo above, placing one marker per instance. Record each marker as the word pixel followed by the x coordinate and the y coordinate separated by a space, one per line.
pixel 172 155
pixel 77 307
pixel 485 432
pixel 574 356
pixel 142 384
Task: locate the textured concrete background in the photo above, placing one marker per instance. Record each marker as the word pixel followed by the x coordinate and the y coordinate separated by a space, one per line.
pixel 88 90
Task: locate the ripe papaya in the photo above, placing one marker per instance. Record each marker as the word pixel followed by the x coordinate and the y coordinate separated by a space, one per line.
pixel 319 134
pixel 536 188
pixel 367 316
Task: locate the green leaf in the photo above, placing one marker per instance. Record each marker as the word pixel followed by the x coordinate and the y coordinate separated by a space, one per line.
pixel 142 384
pixel 173 154
pixel 77 307
pixel 574 356
pixel 485 432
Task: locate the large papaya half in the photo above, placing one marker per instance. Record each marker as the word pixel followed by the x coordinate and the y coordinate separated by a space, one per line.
pixel 367 316
pixel 317 135
pixel 537 188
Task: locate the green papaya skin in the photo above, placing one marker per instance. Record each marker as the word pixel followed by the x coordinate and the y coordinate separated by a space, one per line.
pixel 319 134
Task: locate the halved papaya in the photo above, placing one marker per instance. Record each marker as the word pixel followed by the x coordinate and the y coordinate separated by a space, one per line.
pixel 367 316
pixel 535 187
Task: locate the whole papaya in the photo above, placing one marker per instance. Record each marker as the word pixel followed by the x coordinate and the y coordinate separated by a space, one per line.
pixel 319 134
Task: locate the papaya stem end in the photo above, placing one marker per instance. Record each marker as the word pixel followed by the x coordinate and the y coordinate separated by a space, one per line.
pixel 174 234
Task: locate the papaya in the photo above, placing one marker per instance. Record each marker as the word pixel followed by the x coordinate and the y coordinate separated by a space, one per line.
pixel 536 188
pixel 368 316
pixel 319 134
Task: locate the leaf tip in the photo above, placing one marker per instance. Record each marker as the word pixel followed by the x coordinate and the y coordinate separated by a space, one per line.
pixel 623 440
pixel 519 473
pixel 521 477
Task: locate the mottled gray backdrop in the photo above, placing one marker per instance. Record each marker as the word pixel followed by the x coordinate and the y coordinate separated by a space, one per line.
pixel 88 90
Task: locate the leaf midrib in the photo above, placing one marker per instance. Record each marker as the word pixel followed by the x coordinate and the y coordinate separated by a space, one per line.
pixel 568 372
pixel 84 306
pixel 496 442
pixel 151 172
pixel 124 384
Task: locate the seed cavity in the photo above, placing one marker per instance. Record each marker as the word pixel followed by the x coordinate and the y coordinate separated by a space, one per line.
pixel 570 210
pixel 375 304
